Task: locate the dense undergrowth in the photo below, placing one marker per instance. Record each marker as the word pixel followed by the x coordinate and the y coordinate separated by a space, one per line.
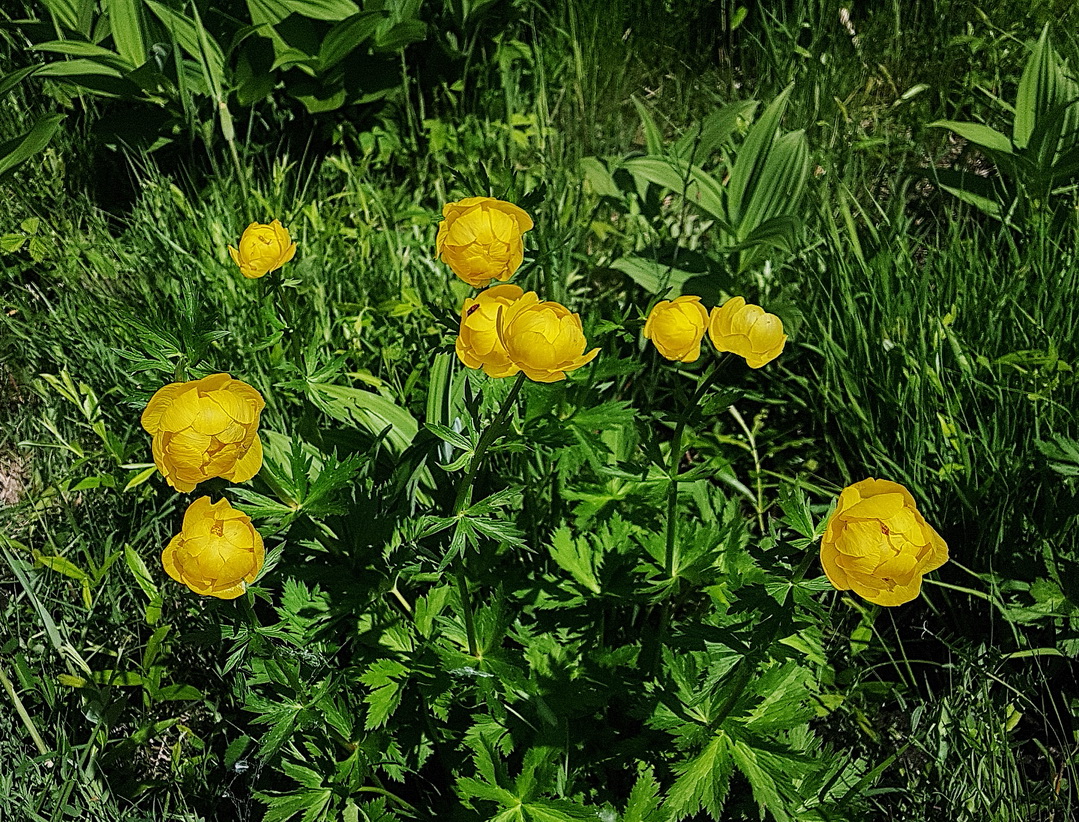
pixel 931 343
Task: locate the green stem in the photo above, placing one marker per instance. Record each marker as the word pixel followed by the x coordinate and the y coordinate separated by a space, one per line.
pixel 464 498
pixel 20 709
pixel 464 492
pixel 675 460
pixel 466 608
pixel 756 466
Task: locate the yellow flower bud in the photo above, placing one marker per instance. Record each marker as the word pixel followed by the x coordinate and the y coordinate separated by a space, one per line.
pixel 877 544
pixel 677 327
pixel 480 239
pixel 478 345
pixel 205 428
pixel 748 331
pixel 543 339
pixel 263 248
pixel 216 551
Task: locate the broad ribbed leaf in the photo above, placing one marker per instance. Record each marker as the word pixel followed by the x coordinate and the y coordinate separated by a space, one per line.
pixel 187 34
pixel 752 157
pixel 713 131
pixel 346 36
pixel 778 184
pixel 365 408
pixel 653 277
pixel 978 134
pixel 18 151
pixel 699 187
pixel 653 137
pixel 1037 90
pixel 125 21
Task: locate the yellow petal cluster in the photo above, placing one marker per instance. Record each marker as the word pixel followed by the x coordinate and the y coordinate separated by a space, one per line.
pixel 216 551
pixel 676 327
pixel 478 344
pixel 205 428
pixel 263 248
pixel 878 545
pixel 481 239
pixel 544 339
pixel 748 331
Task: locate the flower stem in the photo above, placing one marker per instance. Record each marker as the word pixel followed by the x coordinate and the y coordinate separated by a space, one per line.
pixel 464 498
pixel 464 492
pixel 675 460
pixel 756 466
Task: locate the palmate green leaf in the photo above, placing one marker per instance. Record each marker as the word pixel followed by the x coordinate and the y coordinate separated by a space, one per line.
pixel 384 678
pixel 282 807
pixel 703 781
pixel 577 557
pixel 644 801
pixel 303 775
pixel 501 531
pixel 784 694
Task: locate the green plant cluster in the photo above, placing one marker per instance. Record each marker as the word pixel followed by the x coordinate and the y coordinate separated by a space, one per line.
pixel 623 616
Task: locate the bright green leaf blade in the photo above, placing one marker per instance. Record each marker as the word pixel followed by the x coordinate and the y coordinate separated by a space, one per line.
pixel 125 20
pixel 978 134
pixel 15 152
pixel 653 137
pixel 752 157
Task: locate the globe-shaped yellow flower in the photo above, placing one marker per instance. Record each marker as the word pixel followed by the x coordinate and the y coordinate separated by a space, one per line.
pixel 543 339
pixel 205 428
pixel 481 239
pixel 478 345
pixel 216 551
pixel 676 327
pixel 877 544
pixel 748 331
pixel 263 248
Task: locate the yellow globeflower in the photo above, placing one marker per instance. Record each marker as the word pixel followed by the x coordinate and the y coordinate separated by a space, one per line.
pixel 877 543
pixel 205 428
pixel 677 327
pixel 478 345
pixel 748 331
pixel 480 239
pixel 263 248
pixel 543 339
pixel 216 551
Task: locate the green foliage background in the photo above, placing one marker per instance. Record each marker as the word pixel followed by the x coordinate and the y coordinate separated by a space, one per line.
pixel 927 283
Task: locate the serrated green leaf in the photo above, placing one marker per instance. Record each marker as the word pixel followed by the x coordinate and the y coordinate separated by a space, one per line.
pixel 644 800
pixel 577 557
pixel 702 781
